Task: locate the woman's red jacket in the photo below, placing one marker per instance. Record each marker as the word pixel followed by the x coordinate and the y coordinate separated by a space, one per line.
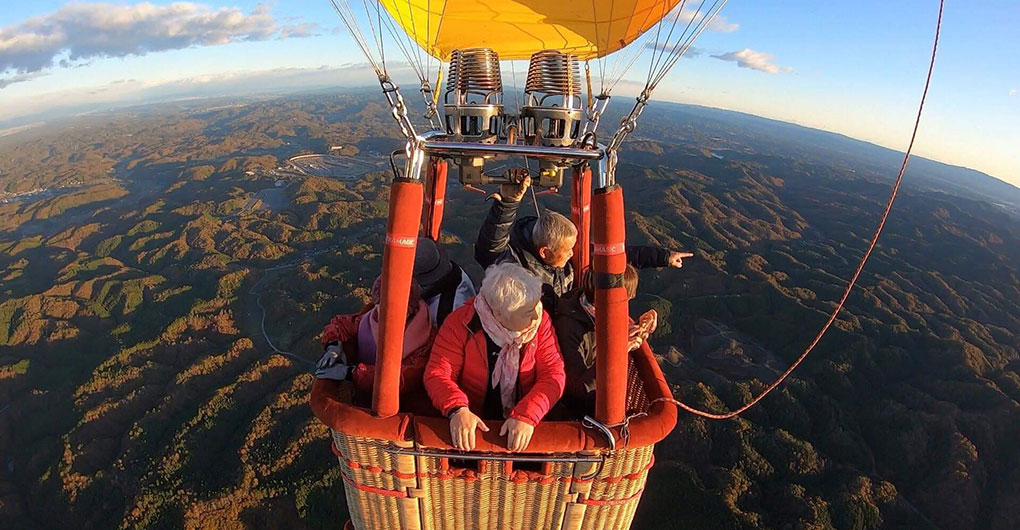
pixel 458 368
pixel 343 330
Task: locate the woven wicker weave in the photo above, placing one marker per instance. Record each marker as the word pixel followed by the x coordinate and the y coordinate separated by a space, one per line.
pixel 425 492
pixel 388 490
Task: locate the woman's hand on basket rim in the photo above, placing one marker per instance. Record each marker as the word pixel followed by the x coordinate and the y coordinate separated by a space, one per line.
pixel 463 423
pixel 518 434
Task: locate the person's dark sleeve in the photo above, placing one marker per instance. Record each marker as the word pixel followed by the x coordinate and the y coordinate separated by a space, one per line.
pixel 572 344
pixel 493 243
pixel 642 257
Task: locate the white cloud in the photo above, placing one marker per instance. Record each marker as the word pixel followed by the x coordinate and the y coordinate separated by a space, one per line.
pixel 1012 92
pixel 78 32
pixel 719 23
pixel 748 58
pixel 19 78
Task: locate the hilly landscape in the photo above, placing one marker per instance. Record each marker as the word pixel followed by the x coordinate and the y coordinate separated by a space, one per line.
pixel 165 272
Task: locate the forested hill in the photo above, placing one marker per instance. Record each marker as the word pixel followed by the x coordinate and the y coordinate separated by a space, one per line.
pixel 162 283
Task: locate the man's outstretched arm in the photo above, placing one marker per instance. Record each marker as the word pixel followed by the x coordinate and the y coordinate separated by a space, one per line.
pixel 645 257
pixel 493 242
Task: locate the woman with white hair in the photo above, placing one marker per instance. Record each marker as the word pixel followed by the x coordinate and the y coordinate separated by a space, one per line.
pixel 497 357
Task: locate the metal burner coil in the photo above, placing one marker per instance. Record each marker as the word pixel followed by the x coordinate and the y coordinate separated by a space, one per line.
pixel 474 74
pixel 553 73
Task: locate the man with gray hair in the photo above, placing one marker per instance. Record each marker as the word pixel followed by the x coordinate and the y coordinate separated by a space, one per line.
pixel 544 245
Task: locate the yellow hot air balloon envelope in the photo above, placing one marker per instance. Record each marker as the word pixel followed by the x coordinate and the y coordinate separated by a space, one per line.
pixel 517 28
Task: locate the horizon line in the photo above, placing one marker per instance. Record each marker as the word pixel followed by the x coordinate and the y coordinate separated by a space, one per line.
pixel 27 122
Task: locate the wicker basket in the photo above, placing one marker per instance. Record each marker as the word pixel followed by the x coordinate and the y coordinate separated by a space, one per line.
pixel 399 473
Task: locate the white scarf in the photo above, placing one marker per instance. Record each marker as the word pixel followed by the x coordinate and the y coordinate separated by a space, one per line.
pixel 508 363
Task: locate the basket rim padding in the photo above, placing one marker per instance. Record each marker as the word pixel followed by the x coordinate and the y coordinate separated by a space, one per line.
pixel 549 437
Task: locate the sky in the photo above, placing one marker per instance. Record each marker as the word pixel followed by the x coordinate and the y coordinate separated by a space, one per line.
pixel 856 68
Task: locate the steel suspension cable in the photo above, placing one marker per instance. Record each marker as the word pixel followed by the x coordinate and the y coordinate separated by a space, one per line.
pixel 346 14
pixel 414 28
pixel 683 45
pixel 599 61
pixel 405 48
pixel 659 54
pixel 655 46
pixel 428 38
pixel 657 74
pixel 413 53
pixel 623 65
pixel 860 267
pixel 376 34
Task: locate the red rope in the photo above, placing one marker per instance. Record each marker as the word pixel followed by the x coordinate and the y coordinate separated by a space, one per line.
pixel 860 267
pixel 612 502
pixel 373 489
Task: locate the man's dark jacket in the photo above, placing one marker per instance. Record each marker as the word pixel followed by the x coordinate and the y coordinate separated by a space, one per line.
pixel 504 239
pixel 575 330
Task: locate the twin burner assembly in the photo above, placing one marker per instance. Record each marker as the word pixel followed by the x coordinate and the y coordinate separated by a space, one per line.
pixel 551 114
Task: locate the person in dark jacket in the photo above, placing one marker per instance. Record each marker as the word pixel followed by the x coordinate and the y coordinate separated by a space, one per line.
pixel 544 245
pixel 444 284
pixel 574 322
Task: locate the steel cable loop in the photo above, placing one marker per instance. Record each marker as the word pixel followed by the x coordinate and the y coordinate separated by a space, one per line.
pixel 860 266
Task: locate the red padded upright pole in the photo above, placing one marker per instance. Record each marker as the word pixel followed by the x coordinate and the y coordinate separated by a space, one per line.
pixel 397 268
pixel 611 305
pixel 580 213
pixel 435 198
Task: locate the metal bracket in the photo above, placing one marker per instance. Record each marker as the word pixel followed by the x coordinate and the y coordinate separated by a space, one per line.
pixel 415 159
pixel 592 423
pixel 605 171
pixel 498 457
